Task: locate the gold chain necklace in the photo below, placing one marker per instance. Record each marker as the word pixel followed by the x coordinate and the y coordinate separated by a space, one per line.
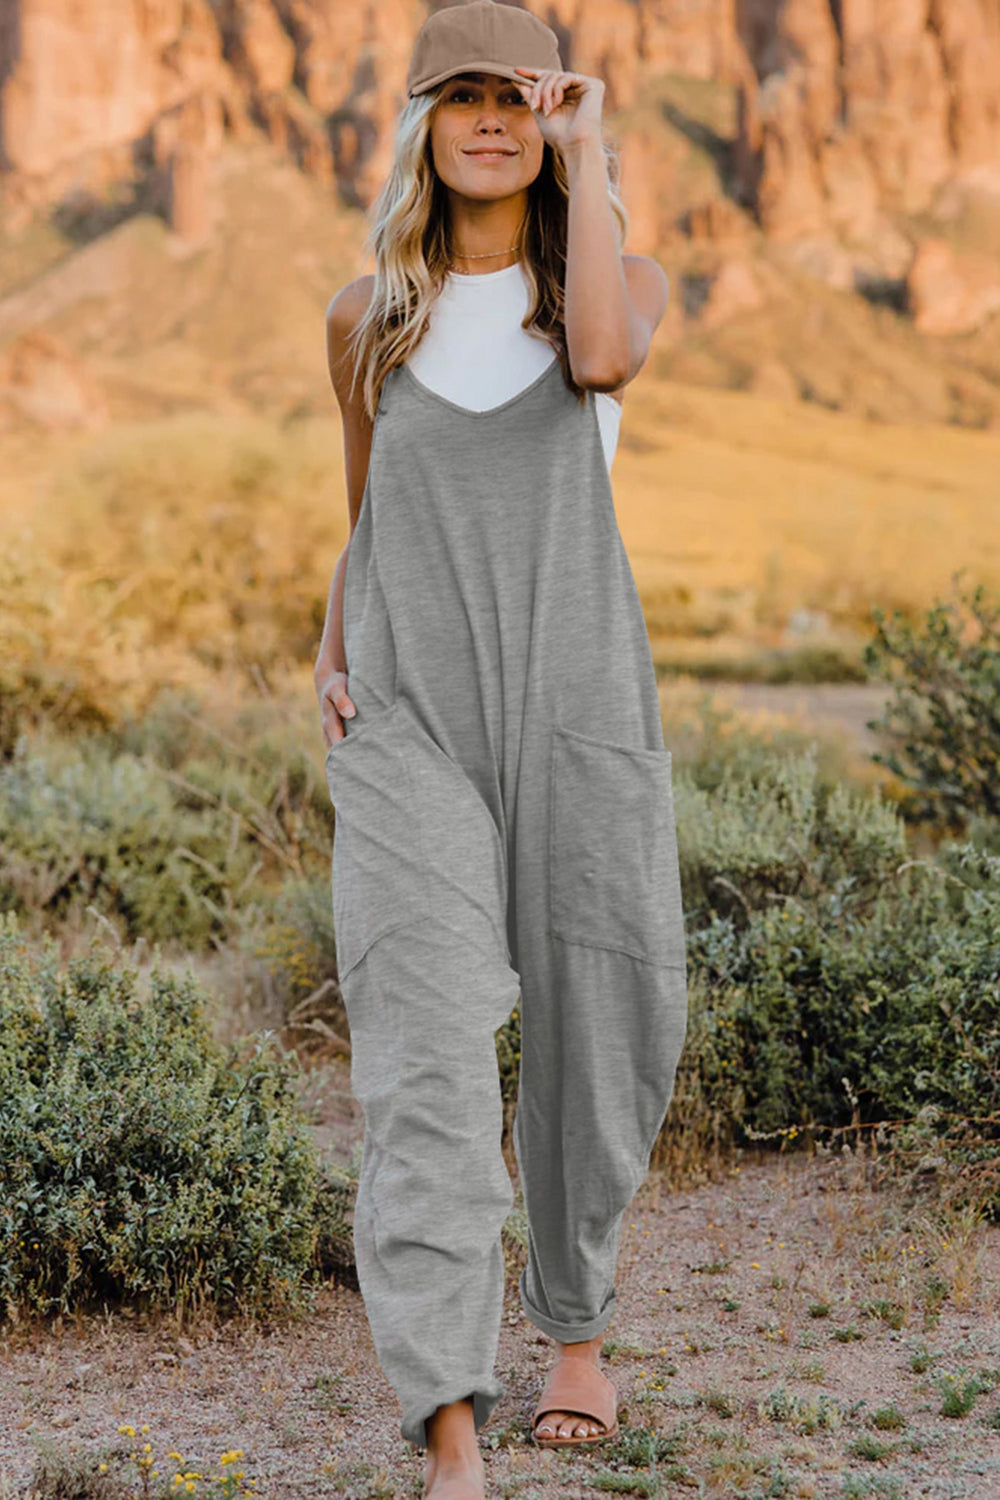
pixel 486 256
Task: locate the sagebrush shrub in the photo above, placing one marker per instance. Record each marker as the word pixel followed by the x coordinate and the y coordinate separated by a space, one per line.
pixel 834 979
pixel 185 857
pixel 896 1002
pixel 943 723
pixel 141 1160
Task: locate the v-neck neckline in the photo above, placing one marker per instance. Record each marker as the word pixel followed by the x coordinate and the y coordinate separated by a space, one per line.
pixel 490 411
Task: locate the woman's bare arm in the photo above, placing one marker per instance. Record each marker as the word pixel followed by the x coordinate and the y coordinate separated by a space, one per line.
pixel 614 302
pixel 330 671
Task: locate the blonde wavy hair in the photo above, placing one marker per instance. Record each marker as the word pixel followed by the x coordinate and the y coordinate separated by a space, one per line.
pixel 410 240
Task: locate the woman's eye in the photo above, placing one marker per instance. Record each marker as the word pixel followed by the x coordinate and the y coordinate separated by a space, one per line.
pixel 461 94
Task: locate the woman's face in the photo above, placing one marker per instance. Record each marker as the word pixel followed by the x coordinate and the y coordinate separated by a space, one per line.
pixel 477 111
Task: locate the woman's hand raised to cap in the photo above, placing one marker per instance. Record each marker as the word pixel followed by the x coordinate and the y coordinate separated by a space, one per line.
pixel 567 106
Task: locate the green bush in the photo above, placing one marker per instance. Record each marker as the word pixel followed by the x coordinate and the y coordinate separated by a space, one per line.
pixel 894 1004
pixel 141 1160
pixel 175 855
pixel 298 943
pixel 834 979
pixel 944 722
pixel 756 830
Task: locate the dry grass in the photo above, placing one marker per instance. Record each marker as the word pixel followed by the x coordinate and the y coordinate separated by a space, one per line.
pixel 171 551
pixel 738 510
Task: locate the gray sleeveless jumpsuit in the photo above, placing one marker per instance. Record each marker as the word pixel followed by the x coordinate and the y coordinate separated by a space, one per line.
pixel 504 826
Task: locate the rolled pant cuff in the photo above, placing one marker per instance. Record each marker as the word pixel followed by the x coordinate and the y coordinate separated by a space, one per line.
pixel 567 1333
pixel 485 1396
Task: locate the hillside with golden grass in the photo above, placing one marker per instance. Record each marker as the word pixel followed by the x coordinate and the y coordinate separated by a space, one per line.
pixel 164 550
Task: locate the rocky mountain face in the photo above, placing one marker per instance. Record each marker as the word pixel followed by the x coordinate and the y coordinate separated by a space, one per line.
pixel 853 127
pixel 844 105
pixel 856 104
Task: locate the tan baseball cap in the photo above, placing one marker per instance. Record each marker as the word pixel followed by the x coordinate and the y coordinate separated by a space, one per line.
pixel 480 36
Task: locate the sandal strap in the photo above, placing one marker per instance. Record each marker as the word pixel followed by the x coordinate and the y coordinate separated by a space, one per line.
pixel 577 1386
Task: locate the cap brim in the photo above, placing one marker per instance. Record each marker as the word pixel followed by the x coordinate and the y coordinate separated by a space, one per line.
pixel 501 69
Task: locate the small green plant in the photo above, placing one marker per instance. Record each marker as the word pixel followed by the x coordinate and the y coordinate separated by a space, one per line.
pixel 713 1267
pixel 332 1393
pixel 863 1486
pixel 778 1484
pixel 867 1447
pixel 935 1293
pixel 624 1484
pixel 616 1349
pixel 357 1479
pixel 804 1414
pixel 721 1402
pixel 958 1397
pixel 886 1312
pixel 641 1447
pixel 888 1419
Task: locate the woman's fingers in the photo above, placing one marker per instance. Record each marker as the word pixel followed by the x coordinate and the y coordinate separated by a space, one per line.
pixel 337 722
pixel 535 85
pixel 336 695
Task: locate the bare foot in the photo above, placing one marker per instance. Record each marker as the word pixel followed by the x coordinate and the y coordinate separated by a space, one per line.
pixel 454 1468
pixel 457 1479
pixel 565 1424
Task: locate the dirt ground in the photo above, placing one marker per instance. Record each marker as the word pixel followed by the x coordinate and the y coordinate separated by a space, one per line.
pixel 791 1329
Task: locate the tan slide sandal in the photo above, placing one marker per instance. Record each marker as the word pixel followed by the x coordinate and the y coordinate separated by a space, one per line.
pixel 577 1386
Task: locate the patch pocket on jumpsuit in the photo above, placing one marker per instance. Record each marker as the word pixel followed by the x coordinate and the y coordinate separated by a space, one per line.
pixel 413 841
pixel 377 870
pixel 614 880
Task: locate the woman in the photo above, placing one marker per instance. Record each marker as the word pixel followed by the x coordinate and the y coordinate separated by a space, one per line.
pixel 495 750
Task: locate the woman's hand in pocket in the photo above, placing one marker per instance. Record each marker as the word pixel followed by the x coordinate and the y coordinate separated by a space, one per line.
pixel 334 704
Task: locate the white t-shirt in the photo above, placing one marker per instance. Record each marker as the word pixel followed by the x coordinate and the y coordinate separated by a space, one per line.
pixel 475 352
